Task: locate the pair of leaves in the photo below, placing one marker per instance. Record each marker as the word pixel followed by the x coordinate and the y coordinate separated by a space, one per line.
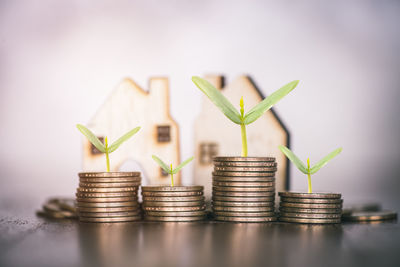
pixel 230 111
pixel 302 167
pixel 169 170
pixel 99 145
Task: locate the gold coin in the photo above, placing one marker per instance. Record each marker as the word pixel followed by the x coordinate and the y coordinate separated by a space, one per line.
pixel 243 194
pixel 243 174
pixel 172 203
pixel 57 214
pixel 310 206
pixel 191 198
pixel 244 164
pixel 365 216
pixel 106 195
pixel 106 189
pixel 216 203
pixel 245 214
pixel 302 220
pixel 108 209
pixel 176 213
pixel 106 185
pixel 313 211
pixel 245 159
pixel 243 189
pixel 131 204
pixel 312 200
pixel 107 174
pixel 309 195
pixel 243 209
pixel 174 219
pixel 243 179
pixel 111 219
pixel 243 199
pixel 132 180
pixel 245 219
pixel 243 184
pixel 244 169
pixel 174 209
pixel 172 194
pixel 172 188
pixel 109 214
pixel 106 199
pixel 311 215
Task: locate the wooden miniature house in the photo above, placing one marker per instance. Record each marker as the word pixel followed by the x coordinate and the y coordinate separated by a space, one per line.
pixel 127 107
pixel 215 135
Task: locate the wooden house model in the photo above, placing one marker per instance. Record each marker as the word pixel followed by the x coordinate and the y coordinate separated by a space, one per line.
pixel 127 107
pixel 215 135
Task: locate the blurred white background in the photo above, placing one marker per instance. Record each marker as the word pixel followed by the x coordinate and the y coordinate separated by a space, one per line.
pixel 59 60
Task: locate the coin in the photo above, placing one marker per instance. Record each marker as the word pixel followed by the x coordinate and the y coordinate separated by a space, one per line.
pixel 81 204
pixel 172 188
pixel 172 204
pixel 175 209
pixel 312 200
pixel 176 213
pixel 243 179
pixel 106 195
pixel 244 214
pixel 243 184
pixel 311 215
pixel 360 216
pixel 111 219
pixel 303 220
pixel 107 174
pixel 309 195
pixel 134 180
pixel 245 219
pixel 216 203
pixel 243 174
pixel 174 219
pixel 243 189
pixel 243 199
pixel 244 164
pixel 244 169
pixel 110 214
pixel 108 209
pixel 243 194
pixel 245 159
pixel 107 185
pixel 310 206
pixel 243 209
pixel 313 211
pixel 57 214
pixel 106 199
pixel 192 198
pixel 172 194
pixel 106 189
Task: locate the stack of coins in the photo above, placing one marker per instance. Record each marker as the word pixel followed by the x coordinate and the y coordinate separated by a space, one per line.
pixel 173 203
pixel 58 208
pixel 321 208
pixel 244 189
pixel 108 196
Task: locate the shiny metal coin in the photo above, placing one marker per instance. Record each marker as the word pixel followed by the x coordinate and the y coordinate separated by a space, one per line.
pixel 107 174
pixel 133 180
pixel 192 198
pixel 174 219
pixel 363 216
pixel 109 214
pixel 302 220
pixel 245 219
pixel 311 215
pixel 106 195
pixel 244 169
pixel 312 200
pixel 172 188
pixel 244 179
pixel 243 174
pixel 243 209
pixel 176 213
pixel 111 219
pixel 310 195
pixel 312 211
pixel 244 214
pixel 174 209
pixel 244 164
pixel 107 185
pixel 106 189
pixel 109 209
pixel 310 206
pixel 243 184
pixel 243 194
pixel 172 194
pixel 130 204
pixel 243 189
pixel 57 214
pixel 245 159
pixel 106 199
pixel 216 203
pixel 172 203
pixel 243 199
pixel 67 204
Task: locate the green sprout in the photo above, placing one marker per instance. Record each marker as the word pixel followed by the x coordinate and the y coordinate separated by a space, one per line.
pixel 241 118
pixel 104 148
pixel 306 169
pixel 170 170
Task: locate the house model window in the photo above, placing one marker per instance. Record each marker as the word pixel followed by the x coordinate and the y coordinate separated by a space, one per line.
pixel 93 149
pixel 207 152
pixel 163 134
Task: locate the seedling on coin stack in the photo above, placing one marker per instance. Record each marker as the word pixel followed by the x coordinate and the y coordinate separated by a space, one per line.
pixel 243 187
pixel 310 207
pixel 108 196
pixel 173 203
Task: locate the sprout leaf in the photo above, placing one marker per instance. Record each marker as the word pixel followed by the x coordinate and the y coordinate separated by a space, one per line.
pixel 325 160
pixel 180 166
pixel 122 139
pixel 91 137
pixel 293 158
pixel 162 164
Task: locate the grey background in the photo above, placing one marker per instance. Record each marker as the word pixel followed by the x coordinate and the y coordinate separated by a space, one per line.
pixel 59 60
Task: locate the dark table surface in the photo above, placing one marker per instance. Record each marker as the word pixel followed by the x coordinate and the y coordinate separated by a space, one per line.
pixel 26 240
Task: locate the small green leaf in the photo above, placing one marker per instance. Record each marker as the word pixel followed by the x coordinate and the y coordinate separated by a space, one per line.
pixel 122 139
pixel 268 102
pixel 294 159
pixel 325 160
pixel 91 137
pixel 218 99
pixel 180 166
pixel 162 164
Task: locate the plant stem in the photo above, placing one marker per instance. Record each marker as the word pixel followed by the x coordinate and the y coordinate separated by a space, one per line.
pixel 244 140
pixel 309 184
pixel 172 177
pixel 107 157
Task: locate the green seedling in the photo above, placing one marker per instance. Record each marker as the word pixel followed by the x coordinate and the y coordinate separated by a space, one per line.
pixel 169 169
pixel 306 169
pixel 240 117
pixel 104 148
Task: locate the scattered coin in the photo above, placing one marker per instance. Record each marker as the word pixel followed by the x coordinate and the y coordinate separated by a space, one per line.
pixel 313 211
pixel 302 220
pixel 312 200
pixel 172 203
pixel 310 206
pixel 243 199
pixel 243 209
pixel 244 164
pixel 243 184
pixel 360 216
pixel 174 219
pixel 243 189
pixel 243 174
pixel 111 219
pixel 110 214
pixel 309 195
pixel 172 194
pixel 245 214
pixel 57 214
pixel 243 179
pixel 242 204
pixel 106 189
pixel 106 195
pixel 245 219
pixel 244 159
pixel 107 174
pixel 132 204
pixel 176 213
pixel 191 198
pixel 172 188
pixel 174 209
pixel 311 215
pixel 243 194
pixel 106 199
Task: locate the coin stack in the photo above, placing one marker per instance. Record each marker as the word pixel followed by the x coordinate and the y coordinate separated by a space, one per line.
pixel 108 196
pixel 173 203
pixel 244 189
pixel 321 208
